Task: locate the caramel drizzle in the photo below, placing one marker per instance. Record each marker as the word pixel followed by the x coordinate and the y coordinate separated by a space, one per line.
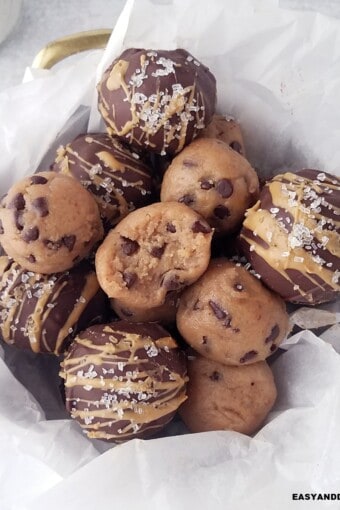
pixel 138 382
pixel 183 102
pixel 19 287
pixel 288 192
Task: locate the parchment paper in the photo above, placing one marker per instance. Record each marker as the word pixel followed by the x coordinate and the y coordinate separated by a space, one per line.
pixel 278 73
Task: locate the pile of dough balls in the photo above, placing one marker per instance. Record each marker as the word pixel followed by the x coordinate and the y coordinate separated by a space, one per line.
pixel 109 258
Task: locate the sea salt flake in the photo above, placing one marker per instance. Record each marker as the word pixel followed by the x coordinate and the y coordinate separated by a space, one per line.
pixel 274 210
pixel 321 177
pixel 298 259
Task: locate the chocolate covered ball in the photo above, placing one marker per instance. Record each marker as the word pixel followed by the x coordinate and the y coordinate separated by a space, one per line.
pixel 49 222
pixel 292 236
pixel 157 100
pixel 42 313
pixel 124 380
pixel 115 175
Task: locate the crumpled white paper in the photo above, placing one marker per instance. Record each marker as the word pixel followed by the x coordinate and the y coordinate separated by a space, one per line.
pixel 278 72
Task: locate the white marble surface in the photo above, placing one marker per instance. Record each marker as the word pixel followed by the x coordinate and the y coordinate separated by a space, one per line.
pixel 43 21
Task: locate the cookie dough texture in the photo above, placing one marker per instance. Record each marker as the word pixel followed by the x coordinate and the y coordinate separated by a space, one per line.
pixel 48 222
pixel 153 251
pixel 292 236
pixel 156 100
pixel 164 314
pixel 111 172
pixel 227 398
pixel 43 312
pixel 214 180
pixel 227 130
pixel 228 316
pixel 124 380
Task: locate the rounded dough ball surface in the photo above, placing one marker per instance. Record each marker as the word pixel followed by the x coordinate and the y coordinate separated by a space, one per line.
pixel 49 222
pixel 227 398
pixel 213 180
pixel 230 317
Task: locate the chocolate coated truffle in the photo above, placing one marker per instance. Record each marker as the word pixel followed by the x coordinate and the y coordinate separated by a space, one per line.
pixel 48 222
pixel 156 100
pixel 43 313
pixel 292 236
pixel 124 380
pixel 116 176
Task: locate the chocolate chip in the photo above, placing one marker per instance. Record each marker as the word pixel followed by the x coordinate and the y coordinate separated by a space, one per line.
pixel 41 205
pixel 31 258
pixel 69 241
pixel 129 278
pixel 186 199
pixel 17 202
pixel 273 334
pixel 170 228
pixel 221 212
pixel 236 146
pixel 1 227
pixel 129 246
pixel 252 383
pixel 157 251
pixel 224 188
pixel 38 179
pixel 52 245
pixel 196 307
pixel 215 376
pixel 189 163
pixel 217 310
pixel 198 227
pixel 238 286
pixel 236 330
pixel 204 340
pixel 248 356
pixel 172 283
pixel 126 312
pixel 206 185
pixel 31 234
pixel 19 219
pixel 273 347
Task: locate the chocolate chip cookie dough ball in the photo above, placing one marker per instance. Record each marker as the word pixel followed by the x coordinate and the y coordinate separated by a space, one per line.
pixel 43 312
pixel 164 314
pixel 292 236
pixel 153 251
pixel 227 130
pixel 214 180
pixel 156 100
pixel 124 380
pixel 48 222
pixel 115 175
pixel 228 316
pixel 227 398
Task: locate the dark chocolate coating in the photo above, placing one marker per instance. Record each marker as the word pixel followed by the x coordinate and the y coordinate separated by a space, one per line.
pixel 44 312
pixel 157 100
pixel 299 218
pixel 124 380
pixel 115 175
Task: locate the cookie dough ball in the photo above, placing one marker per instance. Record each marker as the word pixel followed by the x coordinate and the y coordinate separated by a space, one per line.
pixel 227 398
pixel 228 316
pixel 292 236
pixel 43 312
pixel 116 176
pixel 160 248
pixel 227 130
pixel 124 380
pixel 48 222
pixel 165 313
pixel 156 100
pixel 214 180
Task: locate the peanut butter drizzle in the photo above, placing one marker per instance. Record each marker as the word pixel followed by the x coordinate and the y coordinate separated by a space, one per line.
pixel 118 354
pixel 155 115
pixel 13 300
pixel 285 252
